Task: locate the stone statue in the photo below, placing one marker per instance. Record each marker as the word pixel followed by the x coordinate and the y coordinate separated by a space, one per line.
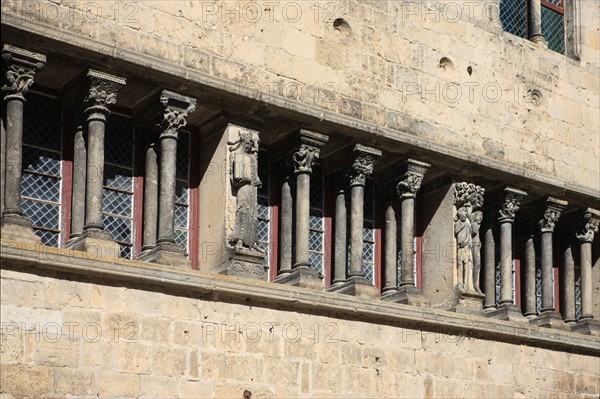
pixel 244 179
pixel 464 242
pixel 468 198
pixel 476 219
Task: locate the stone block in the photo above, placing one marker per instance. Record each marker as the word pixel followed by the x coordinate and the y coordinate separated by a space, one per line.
pixel 133 357
pixel 168 361
pixel 157 330
pixel 118 384
pixel 58 351
pixel 74 382
pixel 157 386
pixel 22 381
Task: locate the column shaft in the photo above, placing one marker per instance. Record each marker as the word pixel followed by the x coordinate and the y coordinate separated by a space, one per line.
pixel 2 164
pixel 506 264
pixel 586 280
pixel 529 307
pixel 391 251
pixel 568 286
pixel 95 171
pixel 302 218
pixel 166 205
pixel 79 178
pixel 285 257
pixel 489 264
pixel 356 229
pixel 339 272
pixel 14 155
pixel 547 273
pixel 535 21
pixel 407 235
pixel 150 199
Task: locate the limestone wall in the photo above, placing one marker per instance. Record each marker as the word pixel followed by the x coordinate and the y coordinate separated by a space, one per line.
pixel 443 72
pixel 129 341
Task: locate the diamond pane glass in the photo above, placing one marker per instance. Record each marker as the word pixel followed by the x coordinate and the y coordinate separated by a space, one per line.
pixel 316 261
pixel 42 214
pixel 120 228
pixel 513 16
pixel 126 251
pixel 262 231
pixel 118 143
pixel 41 161
pixel 49 238
pixel 117 203
pixel 558 3
pixel 315 220
pixel 41 127
pixel 315 241
pixel 183 155
pixel 538 290
pixel 498 280
pixel 263 208
pixel 118 178
pixel 40 187
pixel 181 238
pixel 181 192
pixel 577 293
pixel 181 216
pixel 553 29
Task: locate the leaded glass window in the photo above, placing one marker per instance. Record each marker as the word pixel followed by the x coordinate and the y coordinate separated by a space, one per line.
pixel 316 234
pixel 263 222
pixel 577 292
pixel 117 201
pixel 553 24
pixel 513 16
pixel 369 232
pixel 499 282
pixel 538 289
pixel 41 177
pixel 182 192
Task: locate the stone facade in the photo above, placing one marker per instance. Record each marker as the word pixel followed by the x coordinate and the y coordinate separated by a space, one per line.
pixel 388 106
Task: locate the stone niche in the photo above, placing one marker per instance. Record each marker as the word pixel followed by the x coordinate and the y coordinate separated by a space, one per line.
pixel 228 187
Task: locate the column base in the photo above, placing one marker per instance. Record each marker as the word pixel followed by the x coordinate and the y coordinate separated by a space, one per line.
pixel 301 276
pixel 18 228
pixel 356 286
pixel 167 253
pixel 244 262
pixel 97 242
pixel 470 302
pixel 508 312
pixel 550 319
pixel 587 326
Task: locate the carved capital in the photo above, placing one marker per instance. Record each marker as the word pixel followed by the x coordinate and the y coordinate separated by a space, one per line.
pixel 304 158
pixel 512 201
pixel 591 222
pixel 468 195
pixel 554 208
pixel 103 91
pixel 413 177
pixel 362 167
pixel 19 68
pixel 176 109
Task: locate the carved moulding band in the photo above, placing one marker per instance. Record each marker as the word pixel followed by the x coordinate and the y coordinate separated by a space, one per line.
pixel 466 194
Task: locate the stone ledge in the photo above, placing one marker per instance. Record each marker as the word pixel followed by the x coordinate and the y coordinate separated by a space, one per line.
pixel 27 257
pixel 275 100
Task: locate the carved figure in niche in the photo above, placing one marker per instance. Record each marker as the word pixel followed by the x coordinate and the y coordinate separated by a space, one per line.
pixel 476 219
pixel 245 181
pixel 463 233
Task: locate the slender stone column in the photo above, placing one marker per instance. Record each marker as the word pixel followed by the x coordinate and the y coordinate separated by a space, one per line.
pixel 568 286
pixel 2 164
pixel 586 237
pixel 175 109
pixel 535 22
pixel 339 271
pixel 362 168
pixel 102 94
pixel 548 316
pixel 287 203
pixel 304 158
pixel 510 206
pixel 21 66
pixel 489 264
pixel 79 178
pixel 150 198
pixel 529 308
pixel 390 269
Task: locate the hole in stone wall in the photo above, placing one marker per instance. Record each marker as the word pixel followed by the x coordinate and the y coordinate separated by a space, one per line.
pixel 469 70
pixel 446 63
pixel 342 26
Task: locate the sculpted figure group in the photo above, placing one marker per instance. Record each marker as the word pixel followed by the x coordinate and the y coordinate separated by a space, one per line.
pixel 468 198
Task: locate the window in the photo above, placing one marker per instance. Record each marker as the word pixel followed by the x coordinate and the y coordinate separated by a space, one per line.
pixel 41 177
pixel 514 17
pixel 46 178
pixel 263 222
pixel 369 239
pixel 316 235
